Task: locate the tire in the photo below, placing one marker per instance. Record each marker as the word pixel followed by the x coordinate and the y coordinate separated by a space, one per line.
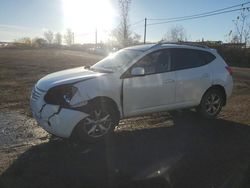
pixel 211 103
pixel 100 123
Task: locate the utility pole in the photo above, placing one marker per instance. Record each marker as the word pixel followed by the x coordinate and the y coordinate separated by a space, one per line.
pixel 73 37
pixel 96 37
pixel 145 30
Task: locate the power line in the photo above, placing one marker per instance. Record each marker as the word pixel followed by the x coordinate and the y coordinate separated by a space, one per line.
pixel 204 13
pixel 211 13
pixel 197 17
pixel 138 26
pixel 137 22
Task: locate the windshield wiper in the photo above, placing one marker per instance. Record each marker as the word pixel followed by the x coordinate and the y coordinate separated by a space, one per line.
pixel 100 70
pixel 87 67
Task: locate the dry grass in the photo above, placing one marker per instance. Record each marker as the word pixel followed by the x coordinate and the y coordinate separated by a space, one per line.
pixel 20 69
pixel 238 106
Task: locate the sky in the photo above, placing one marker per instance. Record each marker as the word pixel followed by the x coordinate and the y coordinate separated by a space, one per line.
pixel 31 18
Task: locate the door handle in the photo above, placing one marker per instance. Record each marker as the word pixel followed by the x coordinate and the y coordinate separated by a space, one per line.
pixel 168 81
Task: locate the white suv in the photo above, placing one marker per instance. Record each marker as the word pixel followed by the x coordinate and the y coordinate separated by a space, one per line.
pixel 89 102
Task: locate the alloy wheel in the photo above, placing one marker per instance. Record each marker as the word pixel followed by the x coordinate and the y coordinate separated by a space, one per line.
pixel 97 124
pixel 213 104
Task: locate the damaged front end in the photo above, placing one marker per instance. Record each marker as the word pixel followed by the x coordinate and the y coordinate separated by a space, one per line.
pixel 60 95
pixel 54 110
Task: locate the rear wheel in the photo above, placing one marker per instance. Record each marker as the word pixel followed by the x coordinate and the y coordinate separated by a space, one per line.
pixel 100 123
pixel 211 103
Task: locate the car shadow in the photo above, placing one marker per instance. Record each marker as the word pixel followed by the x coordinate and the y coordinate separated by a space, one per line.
pixel 192 153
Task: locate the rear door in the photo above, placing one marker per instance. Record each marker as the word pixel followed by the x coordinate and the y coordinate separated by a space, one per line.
pixel 193 75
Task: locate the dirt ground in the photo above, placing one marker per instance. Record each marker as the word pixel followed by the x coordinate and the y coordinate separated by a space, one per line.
pixel 161 150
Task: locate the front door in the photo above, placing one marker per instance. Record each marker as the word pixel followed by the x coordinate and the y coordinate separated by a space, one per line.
pixel 153 91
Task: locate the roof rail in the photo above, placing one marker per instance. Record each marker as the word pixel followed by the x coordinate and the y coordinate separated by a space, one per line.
pixel 193 44
pixel 157 44
pixel 179 43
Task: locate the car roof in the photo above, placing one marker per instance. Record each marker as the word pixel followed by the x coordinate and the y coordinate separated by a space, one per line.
pixel 145 47
pixel 142 47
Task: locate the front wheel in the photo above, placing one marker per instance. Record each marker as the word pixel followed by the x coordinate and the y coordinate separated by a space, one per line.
pixel 100 123
pixel 211 103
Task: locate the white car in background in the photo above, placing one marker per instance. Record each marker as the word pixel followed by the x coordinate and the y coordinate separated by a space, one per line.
pixel 89 102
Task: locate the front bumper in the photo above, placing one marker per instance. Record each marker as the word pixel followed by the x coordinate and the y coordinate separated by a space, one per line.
pixel 54 119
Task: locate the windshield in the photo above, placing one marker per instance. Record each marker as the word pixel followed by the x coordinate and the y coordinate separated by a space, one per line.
pixel 117 60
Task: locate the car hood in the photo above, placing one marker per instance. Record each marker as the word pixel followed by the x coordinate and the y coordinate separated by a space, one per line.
pixel 66 77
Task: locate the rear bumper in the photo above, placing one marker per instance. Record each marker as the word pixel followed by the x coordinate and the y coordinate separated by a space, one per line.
pixel 229 86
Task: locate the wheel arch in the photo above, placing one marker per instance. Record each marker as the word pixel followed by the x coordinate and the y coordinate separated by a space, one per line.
pixel 102 100
pixel 221 89
pixel 106 100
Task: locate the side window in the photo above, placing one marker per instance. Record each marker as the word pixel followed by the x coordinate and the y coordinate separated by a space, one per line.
pixel 186 58
pixel 156 62
pixel 208 56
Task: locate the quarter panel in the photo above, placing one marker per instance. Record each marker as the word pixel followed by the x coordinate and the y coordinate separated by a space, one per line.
pixel 221 76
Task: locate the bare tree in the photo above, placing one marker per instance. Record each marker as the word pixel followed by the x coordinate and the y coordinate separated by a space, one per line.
pixel 242 27
pixel 246 34
pixel 135 38
pixel 69 37
pixel 48 35
pixel 176 34
pixel 235 39
pixel 58 38
pixel 122 33
pixel 38 42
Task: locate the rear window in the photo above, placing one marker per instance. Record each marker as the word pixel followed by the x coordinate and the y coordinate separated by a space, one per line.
pixel 189 58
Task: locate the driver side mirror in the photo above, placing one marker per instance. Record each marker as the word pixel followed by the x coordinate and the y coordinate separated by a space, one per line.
pixel 137 71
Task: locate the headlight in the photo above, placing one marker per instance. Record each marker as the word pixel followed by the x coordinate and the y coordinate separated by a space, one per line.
pixel 60 95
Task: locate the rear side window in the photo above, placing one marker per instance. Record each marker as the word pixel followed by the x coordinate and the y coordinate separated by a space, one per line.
pixel 207 56
pixel 189 58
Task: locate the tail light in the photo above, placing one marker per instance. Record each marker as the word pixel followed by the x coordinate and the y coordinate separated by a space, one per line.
pixel 229 70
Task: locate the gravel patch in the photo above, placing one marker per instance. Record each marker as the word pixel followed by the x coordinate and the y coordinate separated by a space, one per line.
pixel 19 129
